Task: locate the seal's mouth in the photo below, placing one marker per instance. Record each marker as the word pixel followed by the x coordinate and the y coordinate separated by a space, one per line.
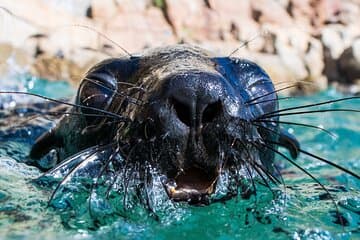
pixel 192 185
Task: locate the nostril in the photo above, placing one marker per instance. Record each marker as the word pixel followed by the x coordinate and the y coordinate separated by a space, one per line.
pixel 182 111
pixel 211 112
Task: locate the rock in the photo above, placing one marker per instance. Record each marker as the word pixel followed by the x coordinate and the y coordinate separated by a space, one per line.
pixel 103 10
pixel 315 65
pixel 193 20
pixel 236 23
pixel 332 40
pixel 78 9
pixel 56 25
pixel 58 68
pixel 135 30
pixel 5 51
pixel 335 39
pixel 275 67
pixel 304 35
pixel 291 58
pixel 307 13
pixel 349 12
pixel 271 12
pixel 349 64
pixel 328 11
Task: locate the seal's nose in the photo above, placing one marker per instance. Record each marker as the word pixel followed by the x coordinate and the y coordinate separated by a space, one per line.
pixel 194 113
pixel 196 98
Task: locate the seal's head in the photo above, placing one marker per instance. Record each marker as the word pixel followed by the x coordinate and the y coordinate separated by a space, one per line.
pixel 200 124
pixel 189 115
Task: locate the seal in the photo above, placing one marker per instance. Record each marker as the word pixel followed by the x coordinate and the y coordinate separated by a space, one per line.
pixel 192 116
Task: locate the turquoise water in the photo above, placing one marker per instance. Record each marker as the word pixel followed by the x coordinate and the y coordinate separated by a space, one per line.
pixel 299 210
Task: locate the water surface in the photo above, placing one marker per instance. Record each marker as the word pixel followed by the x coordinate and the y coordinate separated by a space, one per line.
pixel 299 210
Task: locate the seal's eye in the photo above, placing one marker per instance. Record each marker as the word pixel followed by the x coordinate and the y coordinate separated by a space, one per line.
pixel 96 91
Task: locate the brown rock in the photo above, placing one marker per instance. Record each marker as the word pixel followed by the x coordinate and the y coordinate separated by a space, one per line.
pixel 193 20
pixel 306 13
pixel 236 22
pixel 55 68
pixel 335 39
pixel 135 30
pixel 349 64
pixel 5 51
pixel 271 12
pixel 57 25
pixel 103 10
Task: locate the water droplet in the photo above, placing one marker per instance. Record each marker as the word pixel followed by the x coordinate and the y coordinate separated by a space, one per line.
pixel 12 104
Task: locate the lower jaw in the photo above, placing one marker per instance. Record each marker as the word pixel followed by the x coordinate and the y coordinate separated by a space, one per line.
pixel 191 196
pixel 221 189
pixel 191 187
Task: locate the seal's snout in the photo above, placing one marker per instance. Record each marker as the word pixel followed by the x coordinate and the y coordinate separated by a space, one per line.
pixel 188 113
pixel 194 113
pixel 195 98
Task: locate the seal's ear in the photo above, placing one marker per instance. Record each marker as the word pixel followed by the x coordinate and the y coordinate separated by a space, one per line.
pixel 289 142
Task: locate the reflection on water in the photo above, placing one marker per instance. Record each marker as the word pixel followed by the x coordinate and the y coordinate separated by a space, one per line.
pixel 301 210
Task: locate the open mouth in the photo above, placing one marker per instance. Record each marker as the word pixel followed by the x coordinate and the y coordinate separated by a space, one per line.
pixel 193 185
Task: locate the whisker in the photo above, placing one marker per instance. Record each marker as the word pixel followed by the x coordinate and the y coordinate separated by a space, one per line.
pixel 246 42
pixel 263 179
pixel 87 151
pixel 312 105
pixel 94 185
pixel 131 99
pixel 307 173
pixel 57 113
pixel 251 177
pixel 331 163
pixel 68 175
pixel 274 179
pixel 127 182
pixel 65 103
pixel 104 36
pixel 276 169
pixel 18 17
pixel 270 100
pixel 269 93
pixel 24 121
pixel 90 49
pixel 257 166
pixel 266 128
pixel 295 84
pixel 298 124
pixel 315 156
pixel 307 112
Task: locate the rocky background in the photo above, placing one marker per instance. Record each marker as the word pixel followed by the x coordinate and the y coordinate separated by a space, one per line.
pixel 314 43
